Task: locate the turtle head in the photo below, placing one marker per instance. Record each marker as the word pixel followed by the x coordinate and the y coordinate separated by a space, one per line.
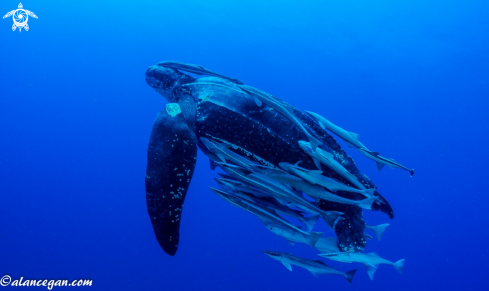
pixel 166 80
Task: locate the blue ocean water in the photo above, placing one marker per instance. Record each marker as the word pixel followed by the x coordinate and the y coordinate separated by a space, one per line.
pixel 411 77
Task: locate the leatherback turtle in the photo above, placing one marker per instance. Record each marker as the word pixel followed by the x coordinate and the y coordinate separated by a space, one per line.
pixel 223 110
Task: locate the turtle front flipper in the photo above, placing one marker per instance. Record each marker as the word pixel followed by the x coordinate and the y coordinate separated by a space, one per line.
pixel 172 154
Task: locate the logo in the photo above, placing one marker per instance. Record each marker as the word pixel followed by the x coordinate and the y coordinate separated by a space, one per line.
pixel 20 17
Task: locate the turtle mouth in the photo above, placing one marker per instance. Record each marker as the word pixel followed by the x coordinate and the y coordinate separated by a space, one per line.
pixel 164 80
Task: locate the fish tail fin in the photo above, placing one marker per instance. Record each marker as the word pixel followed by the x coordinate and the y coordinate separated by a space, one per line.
pixel 399 265
pixel 310 221
pixel 369 192
pixel 367 203
pixel 349 275
pixel 412 172
pixel 313 237
pixel 379 229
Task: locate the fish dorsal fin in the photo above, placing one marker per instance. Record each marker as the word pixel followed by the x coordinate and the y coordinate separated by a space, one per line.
pixel 208 144
pixel 291 242
pixel 316 274
pixel 319 262
pixel 354 135
pixel 326 154
pixel 317 163
pixel 225 145
pixel 380 166
pixel 349 144
pixel 287 265
pixel 321 125
pixel 374 254
pixel 246 172
pixel 297 164
pixel 314 172
pixel 257 101
pixel 374 153
pixel 221 157
pixel 226 176
pixel 267 222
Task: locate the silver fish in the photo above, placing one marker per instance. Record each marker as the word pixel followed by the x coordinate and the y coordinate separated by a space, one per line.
pixel 314 179
pixel 266 216
pixel 381 161
pixel 316 267
pixel 324 244
pixel 224 154
pixel 370 260
pixel 270 203
pixel 322 157
pixel 350 138
pixel 327 245
pixel 280 191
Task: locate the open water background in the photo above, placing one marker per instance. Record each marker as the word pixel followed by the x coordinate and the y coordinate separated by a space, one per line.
pixel 411 77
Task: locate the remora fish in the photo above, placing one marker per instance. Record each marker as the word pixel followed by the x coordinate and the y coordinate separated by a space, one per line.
pixel 350 138
pixel 266 216
pixel 324 244
pixel 381 161
pixel 260 97
pixel 316 267
pixel 240 186
pixel 370 260
pixel 224 154
pixel 322 157
pixel 271 203
pixel 327 244
pixel 279 190
pixel 196 69
pixel 315 177
pixel 300 184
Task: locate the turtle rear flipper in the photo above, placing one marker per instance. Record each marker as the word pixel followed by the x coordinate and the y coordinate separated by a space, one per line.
pixel 172 154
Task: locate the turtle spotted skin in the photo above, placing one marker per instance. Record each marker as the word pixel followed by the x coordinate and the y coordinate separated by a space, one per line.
pixel 214 107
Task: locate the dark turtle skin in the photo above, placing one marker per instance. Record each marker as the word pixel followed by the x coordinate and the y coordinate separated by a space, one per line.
pixel 217 109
